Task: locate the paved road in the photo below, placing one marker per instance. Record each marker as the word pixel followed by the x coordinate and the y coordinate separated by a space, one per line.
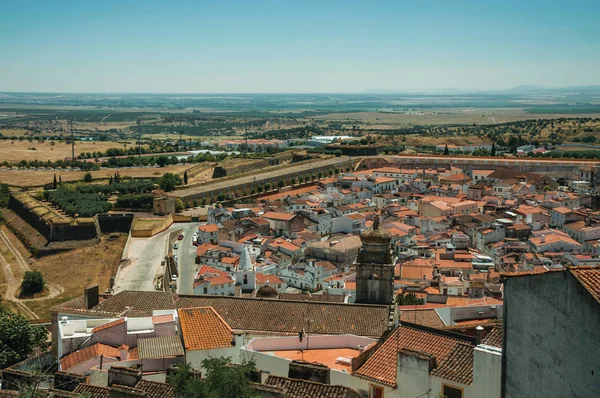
pixel 146 255
pixel 186 259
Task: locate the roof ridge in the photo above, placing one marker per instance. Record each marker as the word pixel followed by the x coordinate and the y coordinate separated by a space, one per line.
pixel 281 300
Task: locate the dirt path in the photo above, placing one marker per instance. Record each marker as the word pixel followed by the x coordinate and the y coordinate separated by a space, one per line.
pixel 11 288
pixel 12 282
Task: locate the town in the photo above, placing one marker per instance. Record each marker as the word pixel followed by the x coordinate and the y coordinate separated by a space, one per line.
pixel 283 199
pixel 380 277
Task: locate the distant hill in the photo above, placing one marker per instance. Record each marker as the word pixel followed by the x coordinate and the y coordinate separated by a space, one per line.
pixel 527 89
pixel 524 89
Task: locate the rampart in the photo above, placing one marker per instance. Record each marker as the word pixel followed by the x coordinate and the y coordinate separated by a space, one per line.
pixel 52 224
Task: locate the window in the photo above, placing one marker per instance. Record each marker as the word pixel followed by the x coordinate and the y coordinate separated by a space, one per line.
pixel 451 392
pixel 375 392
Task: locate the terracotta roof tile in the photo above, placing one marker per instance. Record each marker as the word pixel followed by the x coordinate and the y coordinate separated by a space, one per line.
pixel 589 277
pixel 155 389
pixel 108 325
pixel 203 329
pixel 208 228
pixel 251 314
pixel 494 337
pixel 426 317
pixel 458 366
pixel 381 366
pixel 296 388
pixel 278 216
pixel 90 391
pixel 162 318
pixel 77 357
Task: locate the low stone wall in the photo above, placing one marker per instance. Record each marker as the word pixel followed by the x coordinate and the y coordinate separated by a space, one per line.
pixel 147 227
pixel 115 222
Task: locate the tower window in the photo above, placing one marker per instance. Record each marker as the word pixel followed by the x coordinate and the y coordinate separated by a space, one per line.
pixel 374 277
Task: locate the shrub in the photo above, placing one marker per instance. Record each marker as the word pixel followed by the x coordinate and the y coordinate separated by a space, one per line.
pixel 133 201
pixel 87 177
pixel 169 181
pixel 32 283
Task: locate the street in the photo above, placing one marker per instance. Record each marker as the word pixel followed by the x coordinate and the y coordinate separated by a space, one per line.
pixel 146 254
pixel 186 258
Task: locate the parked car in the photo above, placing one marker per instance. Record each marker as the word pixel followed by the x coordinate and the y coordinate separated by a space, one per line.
pixel 175 246
pixel 180 237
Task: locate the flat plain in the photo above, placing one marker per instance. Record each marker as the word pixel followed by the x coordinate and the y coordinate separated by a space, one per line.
pixel 15 150
pixel 27 178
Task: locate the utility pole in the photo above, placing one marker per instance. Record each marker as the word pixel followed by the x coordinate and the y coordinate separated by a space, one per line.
pixel 72 143
pixel 139 131
pixel 246 138
pixel 180 133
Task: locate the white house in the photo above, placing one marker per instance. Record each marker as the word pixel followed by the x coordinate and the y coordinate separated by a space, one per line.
pixel 209 280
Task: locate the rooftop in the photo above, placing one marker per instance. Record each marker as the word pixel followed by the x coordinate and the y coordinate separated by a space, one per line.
pixel 334 358
pixel 453 356
pixel 203 329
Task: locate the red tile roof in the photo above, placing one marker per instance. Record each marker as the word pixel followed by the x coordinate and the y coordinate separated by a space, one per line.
pixel 108 325
pixel 162 318
pixel 77 357
pixel 381 366
pixel 209 228
pixel 494 337
pixel 589 277
pixel 203 329
pixel 278 216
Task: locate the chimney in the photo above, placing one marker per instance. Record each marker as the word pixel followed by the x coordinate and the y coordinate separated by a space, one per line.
pixel 124 352
pixel 122 376
pixel 91 297
pixel 542 238
pixel 479 331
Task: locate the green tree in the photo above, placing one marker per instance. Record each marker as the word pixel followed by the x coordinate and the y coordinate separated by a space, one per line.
pixel 87 177
pixel 185 178
pixel 169 181
pixel 33 282
pixel 179 205
pixel 408 299
pixel 222 379
pixel 281 184
pixel 446 151
pixel 221 197
pixel 54 183
pixel 162 161
pixel 493 149
pixel 18 339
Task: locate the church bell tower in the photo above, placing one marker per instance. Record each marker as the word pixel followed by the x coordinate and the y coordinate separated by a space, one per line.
pixel 375 268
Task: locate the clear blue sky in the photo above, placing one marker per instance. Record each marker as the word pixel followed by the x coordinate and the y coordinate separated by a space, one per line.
pixel 296 46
